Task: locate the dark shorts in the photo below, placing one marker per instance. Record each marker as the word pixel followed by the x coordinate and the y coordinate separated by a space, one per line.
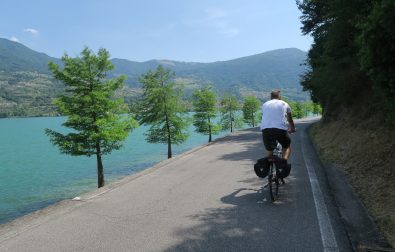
pixel 270 136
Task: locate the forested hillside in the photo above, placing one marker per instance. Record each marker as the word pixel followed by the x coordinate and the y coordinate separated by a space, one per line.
pixel 274 69
pixel 16 57
pixel 27 87
pixel 352 75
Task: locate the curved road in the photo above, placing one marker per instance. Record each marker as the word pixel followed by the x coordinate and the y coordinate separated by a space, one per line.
pixel 206 200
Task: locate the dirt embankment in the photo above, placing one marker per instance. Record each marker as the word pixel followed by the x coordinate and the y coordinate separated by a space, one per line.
pixel 365 150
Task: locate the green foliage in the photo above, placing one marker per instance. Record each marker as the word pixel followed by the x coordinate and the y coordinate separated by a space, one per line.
pixel 230 118
pixel 351 56
pixel 250 110
pixel 297 109
pixel 376 41
pixel 304 109
pixel 94 117
pixel 204 103
pixel 161 107
pixel 26 93
pixel 317 109
pixel 335 74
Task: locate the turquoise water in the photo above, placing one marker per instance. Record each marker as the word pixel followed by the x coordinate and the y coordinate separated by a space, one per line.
pixel 34 174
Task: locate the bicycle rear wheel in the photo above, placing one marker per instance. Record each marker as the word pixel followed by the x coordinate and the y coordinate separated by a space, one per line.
pixel 273 185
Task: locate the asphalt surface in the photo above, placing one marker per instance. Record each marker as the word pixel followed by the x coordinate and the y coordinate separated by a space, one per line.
pixel 206 200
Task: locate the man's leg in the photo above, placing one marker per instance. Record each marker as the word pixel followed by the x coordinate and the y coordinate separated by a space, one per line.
pixel 285 141
pixel 286 152
pixel 269 141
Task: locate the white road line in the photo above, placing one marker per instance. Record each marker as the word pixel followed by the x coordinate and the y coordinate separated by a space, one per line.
pixel 327 236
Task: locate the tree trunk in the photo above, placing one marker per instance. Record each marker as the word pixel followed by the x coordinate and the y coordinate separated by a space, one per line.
pixel 209 130
pixel 168 138
pixel 169 147
pixel 231 122
pixel 100 175
pixel 231 125
pixel 253 120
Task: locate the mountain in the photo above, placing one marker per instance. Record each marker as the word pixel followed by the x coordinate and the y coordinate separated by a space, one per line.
pixel 274 69
pixel 17 57
pixel 27 87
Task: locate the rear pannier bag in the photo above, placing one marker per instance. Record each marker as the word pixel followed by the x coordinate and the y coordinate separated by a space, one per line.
pixel 261 167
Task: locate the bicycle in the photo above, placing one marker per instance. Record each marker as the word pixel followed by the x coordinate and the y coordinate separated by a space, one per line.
pixel 274 171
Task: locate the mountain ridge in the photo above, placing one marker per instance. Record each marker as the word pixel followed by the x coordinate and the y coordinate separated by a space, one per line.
pixel 26 83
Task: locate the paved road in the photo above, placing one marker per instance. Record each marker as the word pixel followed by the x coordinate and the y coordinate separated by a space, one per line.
pixel 206 200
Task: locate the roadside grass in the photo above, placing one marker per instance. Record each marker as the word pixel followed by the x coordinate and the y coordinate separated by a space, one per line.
pixel 366 153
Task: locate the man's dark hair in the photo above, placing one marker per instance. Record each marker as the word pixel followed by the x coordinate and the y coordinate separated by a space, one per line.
pixel 275 94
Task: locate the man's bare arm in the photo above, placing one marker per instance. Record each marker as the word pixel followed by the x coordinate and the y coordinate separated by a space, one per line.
pixel 292 128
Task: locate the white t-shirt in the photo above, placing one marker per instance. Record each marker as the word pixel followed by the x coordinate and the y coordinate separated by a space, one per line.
pixel 274 114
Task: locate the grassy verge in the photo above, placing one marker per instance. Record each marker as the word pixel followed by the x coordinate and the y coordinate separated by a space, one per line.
pixel 366 153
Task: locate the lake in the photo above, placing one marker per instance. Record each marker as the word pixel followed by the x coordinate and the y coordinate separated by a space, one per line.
pixel 34 174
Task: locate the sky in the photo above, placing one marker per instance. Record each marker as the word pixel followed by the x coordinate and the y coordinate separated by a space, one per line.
pixel 141 30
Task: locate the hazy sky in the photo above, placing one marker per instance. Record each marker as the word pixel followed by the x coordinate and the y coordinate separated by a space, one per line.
pixel 140 30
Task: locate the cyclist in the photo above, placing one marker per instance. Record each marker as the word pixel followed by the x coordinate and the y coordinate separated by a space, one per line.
pixel 276 123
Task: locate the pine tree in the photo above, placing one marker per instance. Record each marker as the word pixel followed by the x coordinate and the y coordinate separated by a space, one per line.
pixel 229 113
pixel 250 110
pixel 92 113
pixel 204 103
pixel 162 108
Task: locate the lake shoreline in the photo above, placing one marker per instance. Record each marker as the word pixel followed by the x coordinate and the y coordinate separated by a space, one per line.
pixel 84 197
pixel 35 174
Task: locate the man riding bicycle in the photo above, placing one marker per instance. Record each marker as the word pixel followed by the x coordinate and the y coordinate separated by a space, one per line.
pixel 276 125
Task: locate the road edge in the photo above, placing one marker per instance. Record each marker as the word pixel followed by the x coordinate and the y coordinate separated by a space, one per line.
pixel 363 233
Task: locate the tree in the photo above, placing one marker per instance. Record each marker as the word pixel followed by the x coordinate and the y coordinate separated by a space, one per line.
pixel 204 103
pixel 96 119
pixel 303 109
pixel 309 108
pixel 317 110
pixel 296 108
pixel 376 49
pixel 162 108
pixel 250 110
pixel 334 74
pixel 229 117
